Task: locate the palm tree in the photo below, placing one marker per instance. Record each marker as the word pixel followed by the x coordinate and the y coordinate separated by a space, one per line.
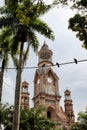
pixel 29 119
pixel 34 119
pixel 5 52
pixel 25 21
pixel 6 115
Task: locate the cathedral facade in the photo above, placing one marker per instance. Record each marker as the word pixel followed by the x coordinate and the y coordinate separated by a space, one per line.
pixel 46 92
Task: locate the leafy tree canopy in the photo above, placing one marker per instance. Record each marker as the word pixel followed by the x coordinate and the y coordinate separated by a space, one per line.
pixel 77 4
pixel 82 121
pixel 78 23
pixel 32 119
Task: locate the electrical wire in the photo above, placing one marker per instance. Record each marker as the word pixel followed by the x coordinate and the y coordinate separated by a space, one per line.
pixel 8 85
pixel 57 64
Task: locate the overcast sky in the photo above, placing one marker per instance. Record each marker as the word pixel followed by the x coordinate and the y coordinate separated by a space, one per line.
pixel 65 48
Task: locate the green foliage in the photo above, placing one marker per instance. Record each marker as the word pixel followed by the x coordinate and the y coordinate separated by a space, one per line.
pixel 79 24
pixel 6 46
pixel 77 4
pixel 24 14
pixel 6 115
pixel 6 51
pixel 35 120
pixel 82 121
pixel 24 20
pixel 29 119
pixel 81 5
pixel 76 126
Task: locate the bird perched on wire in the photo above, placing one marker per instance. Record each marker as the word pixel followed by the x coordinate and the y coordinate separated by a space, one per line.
pixel 75 60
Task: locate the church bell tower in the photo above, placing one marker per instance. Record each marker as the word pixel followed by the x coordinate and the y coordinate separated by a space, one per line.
pixel 46 88
pixel 25 95
pixel 69 107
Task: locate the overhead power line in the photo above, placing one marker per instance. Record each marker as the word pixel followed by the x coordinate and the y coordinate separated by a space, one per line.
pixel 75 61
pixel 8 85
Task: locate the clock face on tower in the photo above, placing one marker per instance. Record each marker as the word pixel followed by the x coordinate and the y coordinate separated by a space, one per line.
pixel 38 81
pixel 49 79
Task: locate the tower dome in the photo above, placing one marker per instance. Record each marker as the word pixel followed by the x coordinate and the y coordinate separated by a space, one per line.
pixel 67 94
pixel 45 55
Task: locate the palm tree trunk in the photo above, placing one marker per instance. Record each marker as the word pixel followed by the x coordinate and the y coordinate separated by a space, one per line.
pixel 1 79
pixel 16 115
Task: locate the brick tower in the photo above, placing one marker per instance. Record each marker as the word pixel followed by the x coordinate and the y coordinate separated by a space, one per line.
pixel 24 95
pixel 69 107
pixel 46 89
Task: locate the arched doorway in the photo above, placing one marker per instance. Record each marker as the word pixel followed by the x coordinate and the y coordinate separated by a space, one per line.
pixel 64 128
pixel 48 114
